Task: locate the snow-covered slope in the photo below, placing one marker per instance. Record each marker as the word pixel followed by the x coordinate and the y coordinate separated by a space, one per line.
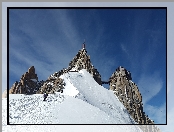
pixel 62 128
pixel 98 96
pixel 83 101
pixel 69 128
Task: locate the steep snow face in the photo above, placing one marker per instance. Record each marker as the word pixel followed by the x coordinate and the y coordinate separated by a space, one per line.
pixel 97 96
pixel 83 101
pixel 69 90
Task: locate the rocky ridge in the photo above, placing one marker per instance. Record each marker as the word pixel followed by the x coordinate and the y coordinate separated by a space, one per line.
pixel 28 83
pixel 120 82
pixel 51 86
pixel 80 61
pixel 129 94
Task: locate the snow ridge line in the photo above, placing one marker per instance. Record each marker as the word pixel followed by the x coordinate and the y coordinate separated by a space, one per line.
pixel 74 77
pixel 84 96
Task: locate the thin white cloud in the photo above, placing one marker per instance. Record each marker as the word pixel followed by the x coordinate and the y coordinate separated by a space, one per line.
pixel 43 68
pixel 57 55
pixel 149 86
pixel 66 25
pixel 125 50
pixel 52 56
pixel 131 56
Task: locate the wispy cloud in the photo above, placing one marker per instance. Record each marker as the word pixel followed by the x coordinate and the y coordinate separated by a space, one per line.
pixel 42 68
pixel 66 25
pixel 149 86
pixel 47 55
pixel 124 49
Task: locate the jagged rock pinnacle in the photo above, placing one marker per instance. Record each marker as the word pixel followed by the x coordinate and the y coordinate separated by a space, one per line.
pixel 128 93
pixel 82 61
pixel 28 83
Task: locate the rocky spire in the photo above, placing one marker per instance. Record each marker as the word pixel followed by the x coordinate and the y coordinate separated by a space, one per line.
pixel 129 94
pixel 82 61
pixel 28 83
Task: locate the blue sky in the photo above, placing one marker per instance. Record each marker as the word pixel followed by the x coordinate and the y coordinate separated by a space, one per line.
pixel 132 38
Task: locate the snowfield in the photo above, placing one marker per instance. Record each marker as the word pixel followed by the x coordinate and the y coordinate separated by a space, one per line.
pixel 83 101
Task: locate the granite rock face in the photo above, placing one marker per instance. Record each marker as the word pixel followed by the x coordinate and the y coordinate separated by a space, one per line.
pixel 82 61
pixel 51 86
pixel 129 94
pixel 28 83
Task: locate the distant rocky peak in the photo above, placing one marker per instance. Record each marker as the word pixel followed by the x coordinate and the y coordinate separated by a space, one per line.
pixel 30 74
pixel 122 72
pixel 82 61
pixel 31 70
pixel 82 54
pixel 128 93
pixel 28 83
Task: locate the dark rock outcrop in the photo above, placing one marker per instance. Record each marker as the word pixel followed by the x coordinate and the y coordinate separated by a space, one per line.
pixel 82 61
pixel 52 86
pixel 28 83
pixel 129 94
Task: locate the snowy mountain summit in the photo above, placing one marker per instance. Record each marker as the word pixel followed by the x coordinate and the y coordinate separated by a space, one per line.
pixel 83 101
pixel 76 96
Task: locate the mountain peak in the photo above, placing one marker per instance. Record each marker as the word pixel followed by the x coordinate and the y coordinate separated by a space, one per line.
pixel 82 61
pixel 31 70
pixel 120 83
pixel 28 83
pixel 121 71
pixel 129 94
